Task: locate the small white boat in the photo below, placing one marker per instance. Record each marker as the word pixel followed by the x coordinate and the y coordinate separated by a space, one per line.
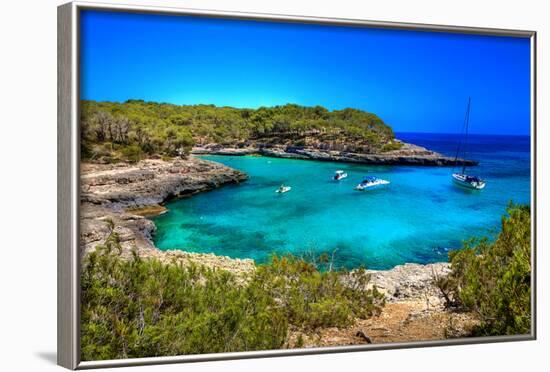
pixel 339 175
pixel 283 189
pixel 371 182
pixel 470 182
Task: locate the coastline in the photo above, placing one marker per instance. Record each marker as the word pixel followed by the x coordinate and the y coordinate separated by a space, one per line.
pixel 408 154
pixel 119 193
pixel 127 194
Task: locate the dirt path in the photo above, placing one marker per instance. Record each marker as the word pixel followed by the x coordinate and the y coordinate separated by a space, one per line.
pixel 399 322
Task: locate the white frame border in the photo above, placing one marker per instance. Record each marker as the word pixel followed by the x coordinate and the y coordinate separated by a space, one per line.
pixel 68 296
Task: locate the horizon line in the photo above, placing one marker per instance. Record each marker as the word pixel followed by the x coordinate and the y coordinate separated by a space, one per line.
pixel 469 133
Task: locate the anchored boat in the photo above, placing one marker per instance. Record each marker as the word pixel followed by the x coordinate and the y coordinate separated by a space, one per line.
pixel 282 189
pixel 339 175
pixel 471 182
pixel 371 182
pixel 462 179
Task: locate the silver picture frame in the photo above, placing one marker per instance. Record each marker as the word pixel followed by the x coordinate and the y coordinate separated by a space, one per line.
pixel 68 184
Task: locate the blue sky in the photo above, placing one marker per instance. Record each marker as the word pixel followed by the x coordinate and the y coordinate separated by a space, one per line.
pixel 415 81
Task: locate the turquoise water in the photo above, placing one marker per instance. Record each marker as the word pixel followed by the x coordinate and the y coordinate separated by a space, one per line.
pixel 417 218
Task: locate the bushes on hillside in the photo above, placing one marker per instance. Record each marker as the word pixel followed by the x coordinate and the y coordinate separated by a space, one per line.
pixel 166 129
pixel 493 279
pixel 311 298
pixel 142 307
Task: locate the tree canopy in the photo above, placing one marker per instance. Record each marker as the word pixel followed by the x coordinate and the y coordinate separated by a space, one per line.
pixel 136 128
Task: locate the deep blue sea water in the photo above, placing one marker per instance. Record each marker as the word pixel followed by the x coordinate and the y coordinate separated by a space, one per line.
pixel 417 218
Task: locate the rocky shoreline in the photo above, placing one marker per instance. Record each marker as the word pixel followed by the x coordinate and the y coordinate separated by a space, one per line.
pixel 125 193
pixel 151 182
pixel 408 154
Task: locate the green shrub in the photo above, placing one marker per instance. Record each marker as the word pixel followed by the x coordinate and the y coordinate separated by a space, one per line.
pixel 141 307
pixel 138 308
pixel 132 153
pixel 311 298
pixel 392 146
pixel 493 279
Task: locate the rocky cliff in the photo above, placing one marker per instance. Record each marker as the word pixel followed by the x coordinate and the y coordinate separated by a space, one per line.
pixel 152 182
pixel 113 192
pixel 408 154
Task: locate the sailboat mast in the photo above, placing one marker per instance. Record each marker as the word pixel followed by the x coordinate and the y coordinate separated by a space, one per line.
pixel 466 133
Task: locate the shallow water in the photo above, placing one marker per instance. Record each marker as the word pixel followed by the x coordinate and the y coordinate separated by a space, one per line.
pixel 417 218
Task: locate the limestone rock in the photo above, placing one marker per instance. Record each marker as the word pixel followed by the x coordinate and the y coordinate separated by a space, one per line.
pixel 409 154
pixel 109 191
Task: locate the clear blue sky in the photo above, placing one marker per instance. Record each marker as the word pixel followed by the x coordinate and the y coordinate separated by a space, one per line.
pixel 415 81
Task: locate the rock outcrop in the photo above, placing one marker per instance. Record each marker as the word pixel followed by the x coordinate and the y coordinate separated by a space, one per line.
pixel 408 154
pixel 409 281
pixel 110 193
pixel 152 182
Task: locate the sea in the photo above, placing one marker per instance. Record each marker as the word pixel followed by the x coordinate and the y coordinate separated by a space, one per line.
pixel 418 218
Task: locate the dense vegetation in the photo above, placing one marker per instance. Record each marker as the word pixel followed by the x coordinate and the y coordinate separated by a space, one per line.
pixel 134 129
pixel 142 307
pixel 493 279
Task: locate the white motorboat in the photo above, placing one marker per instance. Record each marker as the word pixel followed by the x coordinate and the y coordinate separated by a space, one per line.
pixel 282 189
pixel 371 182
pixel 339 175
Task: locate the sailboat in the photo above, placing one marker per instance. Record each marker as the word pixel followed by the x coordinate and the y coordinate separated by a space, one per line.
pixel 462 179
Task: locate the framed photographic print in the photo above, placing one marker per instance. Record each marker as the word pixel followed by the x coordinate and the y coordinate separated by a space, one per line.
pixel 237 185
